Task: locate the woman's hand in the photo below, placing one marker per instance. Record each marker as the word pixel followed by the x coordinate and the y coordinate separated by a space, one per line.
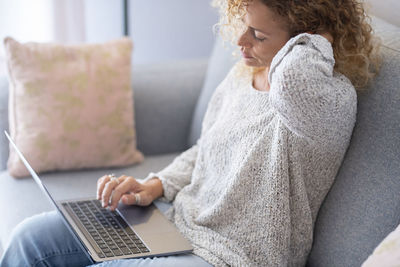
pixel 324 34
pixel 328 36
pixel 125 188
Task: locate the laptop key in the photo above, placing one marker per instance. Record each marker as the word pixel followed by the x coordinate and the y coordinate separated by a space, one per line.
pixel 134 237
pixel 109 254
pixel 113 247
pixel 139 243
pixel 130 243
pixel 117 252
pixel 126 251
pixel 101 255
pixel 121 221
pixel 109 230
pixel 141 247
pixel 135 250
pixel 105 250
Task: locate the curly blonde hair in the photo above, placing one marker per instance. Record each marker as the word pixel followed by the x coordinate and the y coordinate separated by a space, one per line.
pixel 355 48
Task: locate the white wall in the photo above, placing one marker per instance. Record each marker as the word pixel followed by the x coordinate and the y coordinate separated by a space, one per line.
pixel 386 9
pixel 174 29
pixel 103 20
pixel 162 30
pixel 26 20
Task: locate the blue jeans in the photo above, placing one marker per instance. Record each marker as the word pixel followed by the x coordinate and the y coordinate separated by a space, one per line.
pixel 44 240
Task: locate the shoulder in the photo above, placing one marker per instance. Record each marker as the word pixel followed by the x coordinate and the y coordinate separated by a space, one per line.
pixel 345 95
pixel 304 70
pixel 313 100
pixel 238 76
pixel 304 54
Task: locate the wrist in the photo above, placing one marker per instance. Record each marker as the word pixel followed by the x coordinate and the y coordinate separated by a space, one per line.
pixel 155 187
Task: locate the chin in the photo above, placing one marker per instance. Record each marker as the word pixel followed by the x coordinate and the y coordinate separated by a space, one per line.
pixel 251 62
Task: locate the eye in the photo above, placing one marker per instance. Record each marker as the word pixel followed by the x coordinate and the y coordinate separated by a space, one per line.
pixel 260 39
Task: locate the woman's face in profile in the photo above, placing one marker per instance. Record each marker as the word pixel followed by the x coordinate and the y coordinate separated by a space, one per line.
pixel 265 34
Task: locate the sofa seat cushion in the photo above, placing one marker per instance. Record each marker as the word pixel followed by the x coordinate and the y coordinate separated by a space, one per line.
pixel 22 198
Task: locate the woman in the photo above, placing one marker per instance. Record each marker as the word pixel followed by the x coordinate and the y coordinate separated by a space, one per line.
pixel 273 138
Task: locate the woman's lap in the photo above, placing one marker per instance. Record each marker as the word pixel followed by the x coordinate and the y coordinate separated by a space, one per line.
pixel 170 261
pixel 44 240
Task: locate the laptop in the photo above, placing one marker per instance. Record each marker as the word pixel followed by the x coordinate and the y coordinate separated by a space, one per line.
pixel 127 232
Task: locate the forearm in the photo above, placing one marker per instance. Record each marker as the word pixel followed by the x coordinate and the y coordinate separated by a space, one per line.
pixel 176 175
pixel 304 91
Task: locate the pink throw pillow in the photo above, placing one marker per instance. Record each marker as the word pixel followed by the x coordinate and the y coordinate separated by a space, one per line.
pixel 71 106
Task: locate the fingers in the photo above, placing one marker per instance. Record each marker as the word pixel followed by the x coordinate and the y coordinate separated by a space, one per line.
pixel 109 187
pixel 103 181
pixel 124 188
pixel 127 184
pixel 140 199
pixel 100 185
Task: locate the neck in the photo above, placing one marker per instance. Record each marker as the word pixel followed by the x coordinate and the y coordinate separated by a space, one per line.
pixel 260 80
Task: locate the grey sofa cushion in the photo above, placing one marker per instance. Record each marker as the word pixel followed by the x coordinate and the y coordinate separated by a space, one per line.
pixel 22 198
pixel 389 34
pixel 363 205
pixel 221 61
pixel 165 98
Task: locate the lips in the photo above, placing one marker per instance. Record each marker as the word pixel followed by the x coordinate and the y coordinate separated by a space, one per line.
pixel 245 55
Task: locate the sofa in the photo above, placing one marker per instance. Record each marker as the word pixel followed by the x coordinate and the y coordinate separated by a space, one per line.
pixel 362 207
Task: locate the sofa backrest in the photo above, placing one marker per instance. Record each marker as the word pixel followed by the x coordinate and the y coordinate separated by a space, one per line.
pixel 363 205
pixel 221 61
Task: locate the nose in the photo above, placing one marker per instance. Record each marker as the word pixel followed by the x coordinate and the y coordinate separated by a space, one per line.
pixel 244 41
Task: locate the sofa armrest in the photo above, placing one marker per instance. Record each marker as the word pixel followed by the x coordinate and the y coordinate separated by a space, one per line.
pixel 165 96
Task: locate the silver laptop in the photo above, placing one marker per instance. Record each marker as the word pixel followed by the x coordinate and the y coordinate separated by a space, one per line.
pixel 128 232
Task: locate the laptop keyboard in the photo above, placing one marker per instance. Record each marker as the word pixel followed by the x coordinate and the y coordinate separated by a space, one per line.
pixel 111 234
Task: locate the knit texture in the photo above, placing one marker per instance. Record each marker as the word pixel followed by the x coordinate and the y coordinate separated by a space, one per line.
pixel 248 193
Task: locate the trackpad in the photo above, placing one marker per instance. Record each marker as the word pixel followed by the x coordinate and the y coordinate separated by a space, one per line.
pixel 146 219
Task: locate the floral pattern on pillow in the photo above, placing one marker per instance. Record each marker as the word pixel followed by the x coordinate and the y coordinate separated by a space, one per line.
pixel 71 106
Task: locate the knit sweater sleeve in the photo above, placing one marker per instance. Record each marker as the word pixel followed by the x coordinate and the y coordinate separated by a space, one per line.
pixel 178 174
pixel 312 99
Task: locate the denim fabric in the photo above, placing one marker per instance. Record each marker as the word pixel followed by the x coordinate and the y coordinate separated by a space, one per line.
pixel 44 240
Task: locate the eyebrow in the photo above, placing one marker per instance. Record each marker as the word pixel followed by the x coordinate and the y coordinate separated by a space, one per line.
pixel 254 29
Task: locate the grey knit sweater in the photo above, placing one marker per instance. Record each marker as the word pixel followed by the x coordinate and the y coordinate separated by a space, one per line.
pixel 248 193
